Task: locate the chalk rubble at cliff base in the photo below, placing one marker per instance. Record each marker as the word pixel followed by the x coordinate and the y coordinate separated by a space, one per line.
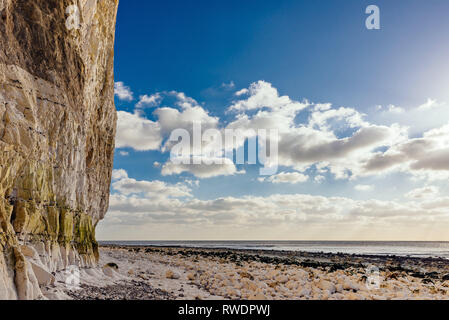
pixel 154 273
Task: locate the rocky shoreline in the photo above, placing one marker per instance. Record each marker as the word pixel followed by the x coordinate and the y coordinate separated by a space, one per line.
pixel 168 273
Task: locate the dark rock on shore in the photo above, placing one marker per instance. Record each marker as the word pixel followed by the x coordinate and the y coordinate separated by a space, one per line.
pixel 129 290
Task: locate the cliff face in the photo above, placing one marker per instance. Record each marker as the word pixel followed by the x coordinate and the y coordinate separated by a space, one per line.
pixel 57 128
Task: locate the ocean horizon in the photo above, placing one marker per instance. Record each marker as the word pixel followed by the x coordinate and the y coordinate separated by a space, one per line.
pixel 419 249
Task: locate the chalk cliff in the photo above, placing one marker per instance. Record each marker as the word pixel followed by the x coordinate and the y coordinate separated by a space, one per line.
pixel 57 128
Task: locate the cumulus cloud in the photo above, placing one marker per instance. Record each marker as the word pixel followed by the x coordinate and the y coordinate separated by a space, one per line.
pixel 137 203
pixel 308 146
pixel 427 156
pixel 435 160
pixel 342 141
pixel 171 119
pixel 183 100
pixel 149 100
pixel 327 118
pixel 119 174
pixel 427 192
pixel 123 92
pixel 139 133
pixel 320 142
pixel 242 92
pixel 136 132
pixel 341 137
pixel 150 189
pixel 263 94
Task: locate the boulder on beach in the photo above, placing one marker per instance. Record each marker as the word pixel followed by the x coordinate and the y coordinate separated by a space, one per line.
pixel 171 275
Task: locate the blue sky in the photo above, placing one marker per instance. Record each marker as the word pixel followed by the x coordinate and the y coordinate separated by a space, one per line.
pixel 319 50
pixel 393 84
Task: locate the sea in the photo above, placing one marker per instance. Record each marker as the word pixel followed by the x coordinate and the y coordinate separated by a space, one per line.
pixel 420 249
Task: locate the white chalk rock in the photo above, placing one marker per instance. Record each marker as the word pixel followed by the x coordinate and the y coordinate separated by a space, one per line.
pixel 350 285
pixel 191 276
pixel 29 251
pixel 291 285
pixel 304 292
pixel 327 286
pixel 282 279
pixel 44 278
pixel 171 275
pixel 108 271
pixel 249 285
pixel 272 274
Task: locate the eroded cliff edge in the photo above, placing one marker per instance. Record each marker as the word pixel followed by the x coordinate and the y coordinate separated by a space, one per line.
pixel 57 128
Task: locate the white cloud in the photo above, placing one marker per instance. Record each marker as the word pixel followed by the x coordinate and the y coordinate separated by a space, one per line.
pixel 119 174
pixel 193 183
pixel 263 94
pixel 156 164
pixel 242 92
pixel 136 132
pixel 304 147
pixel 183 100
pixel 149 189
pixel 427 192
pixel 326 118
pixel 364 187
pixel 319 139
pixel 124 153
pixel 422 118
pixel 170 119
pixel 288 177
pixel 123 92
pixel 426 157
pixel 218 167
pixel 341 140
pixel 395 109
pixel 149 101
pixel 141 134
pixel 429 104
pixel 288 214
pixel 228 86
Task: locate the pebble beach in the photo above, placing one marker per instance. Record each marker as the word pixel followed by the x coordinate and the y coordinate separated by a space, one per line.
pixel 153 273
